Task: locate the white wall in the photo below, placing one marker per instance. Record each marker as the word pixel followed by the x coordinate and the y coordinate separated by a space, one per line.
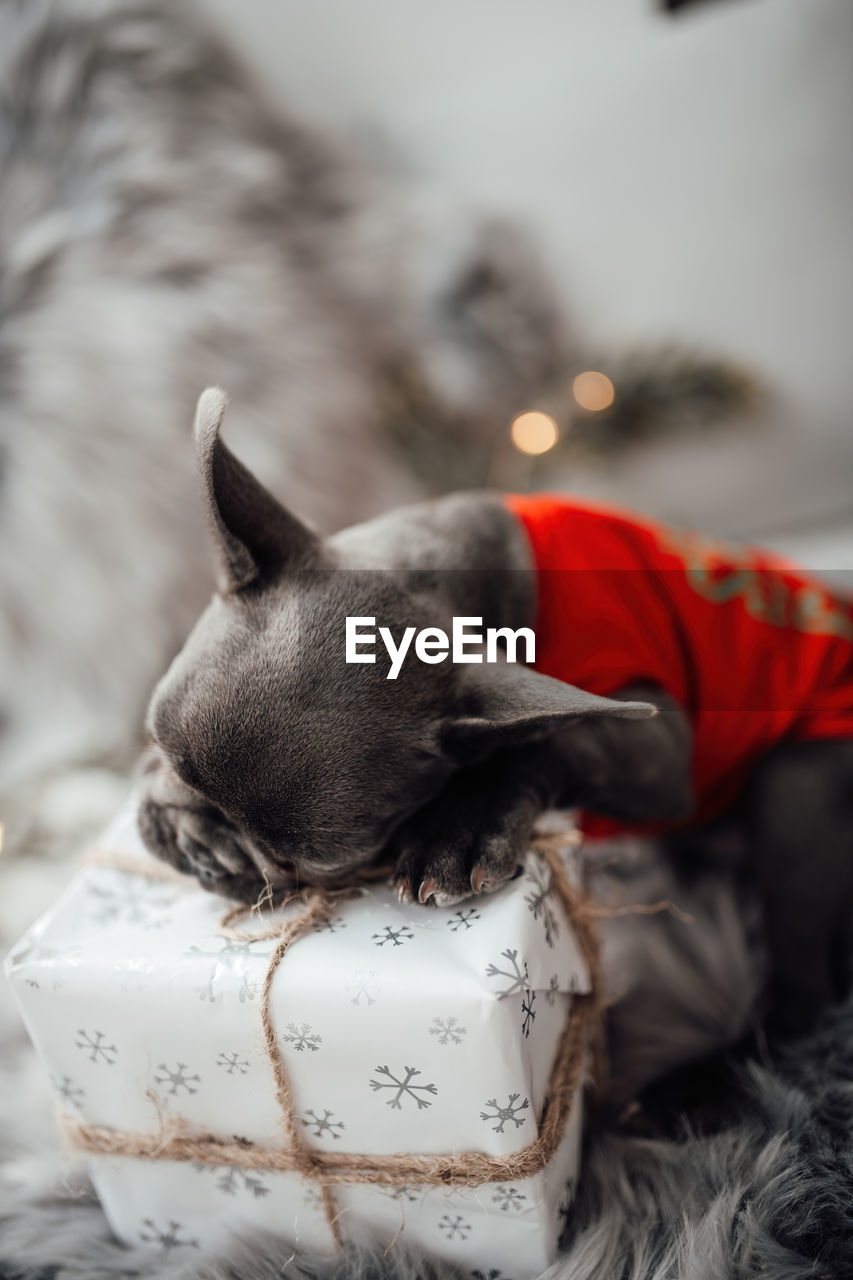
pixel 688 179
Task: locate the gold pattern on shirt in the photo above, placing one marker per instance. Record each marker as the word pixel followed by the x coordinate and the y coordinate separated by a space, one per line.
pixel 720 573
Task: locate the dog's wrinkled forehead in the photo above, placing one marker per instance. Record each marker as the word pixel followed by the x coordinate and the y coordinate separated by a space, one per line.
pixel 262 716
pixel 214 698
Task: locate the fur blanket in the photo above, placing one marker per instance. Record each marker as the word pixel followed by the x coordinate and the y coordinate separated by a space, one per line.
pixel 742 1166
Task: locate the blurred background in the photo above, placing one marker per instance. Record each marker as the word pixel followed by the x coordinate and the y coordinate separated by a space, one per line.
pixel 569 245
pixel 686 181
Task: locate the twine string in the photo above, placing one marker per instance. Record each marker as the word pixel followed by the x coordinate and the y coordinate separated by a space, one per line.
pixel 317 912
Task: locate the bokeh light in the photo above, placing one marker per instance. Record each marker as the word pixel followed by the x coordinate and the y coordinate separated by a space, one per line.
pixel 593 391
pixel 534 432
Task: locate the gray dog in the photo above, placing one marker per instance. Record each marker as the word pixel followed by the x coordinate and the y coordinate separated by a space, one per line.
pixel 285 745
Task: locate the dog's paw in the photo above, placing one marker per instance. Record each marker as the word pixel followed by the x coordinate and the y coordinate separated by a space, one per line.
pixel 457 846
pixel 193 837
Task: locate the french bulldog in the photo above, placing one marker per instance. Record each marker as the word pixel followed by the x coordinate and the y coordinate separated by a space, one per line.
pixel 274 758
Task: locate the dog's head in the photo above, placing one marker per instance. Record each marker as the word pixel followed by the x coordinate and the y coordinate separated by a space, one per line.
pixel 273 756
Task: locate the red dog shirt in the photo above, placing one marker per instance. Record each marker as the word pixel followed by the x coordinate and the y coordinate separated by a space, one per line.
pixel 752 647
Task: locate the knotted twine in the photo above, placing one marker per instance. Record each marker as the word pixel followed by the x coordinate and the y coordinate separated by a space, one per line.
pixel 583 1028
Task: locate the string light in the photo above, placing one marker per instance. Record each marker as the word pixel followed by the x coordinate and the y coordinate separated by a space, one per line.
pixel 534 432
pixel 593 391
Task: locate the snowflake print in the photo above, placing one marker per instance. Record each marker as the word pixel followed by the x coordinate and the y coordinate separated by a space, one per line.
pixel 363 987
pixel 129 900
pixel 330 926
pixel 94 1044
pixel 410 1194
pixel 395 936
pixel 454 1228
pixel 302 1037
pixel 553 989
pixel 324 1126
pixel 68 1091
pixel 528 1014
pixel 507 1198
pixel 539 900
pixel 233 1179
pixel 448 1030
pixel 463 919
pixel 404 1087
pixel 516 975
pixel 232 957
pixel 233 1062
pixel 177 1079
pixel 502 1114
pixel 167 1237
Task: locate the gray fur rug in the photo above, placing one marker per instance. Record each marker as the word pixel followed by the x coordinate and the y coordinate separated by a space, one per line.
pixel 741 1166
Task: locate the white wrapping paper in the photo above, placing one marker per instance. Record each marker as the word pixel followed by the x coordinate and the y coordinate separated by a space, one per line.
pixel 402 1029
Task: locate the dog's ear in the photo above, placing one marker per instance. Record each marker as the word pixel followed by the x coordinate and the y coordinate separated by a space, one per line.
pixel 253 533
pixel 508 704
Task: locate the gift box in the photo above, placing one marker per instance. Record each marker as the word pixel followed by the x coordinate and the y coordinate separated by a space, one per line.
pixel 344 1067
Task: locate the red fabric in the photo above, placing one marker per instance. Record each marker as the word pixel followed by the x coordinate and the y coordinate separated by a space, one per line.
pixel 750 645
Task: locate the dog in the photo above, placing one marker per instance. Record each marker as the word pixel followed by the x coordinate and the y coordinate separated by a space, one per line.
pixel 673 680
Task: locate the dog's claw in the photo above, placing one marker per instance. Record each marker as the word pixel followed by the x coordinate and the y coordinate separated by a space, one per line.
pixel 427 889
pixel 404 891
pixel 478 877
